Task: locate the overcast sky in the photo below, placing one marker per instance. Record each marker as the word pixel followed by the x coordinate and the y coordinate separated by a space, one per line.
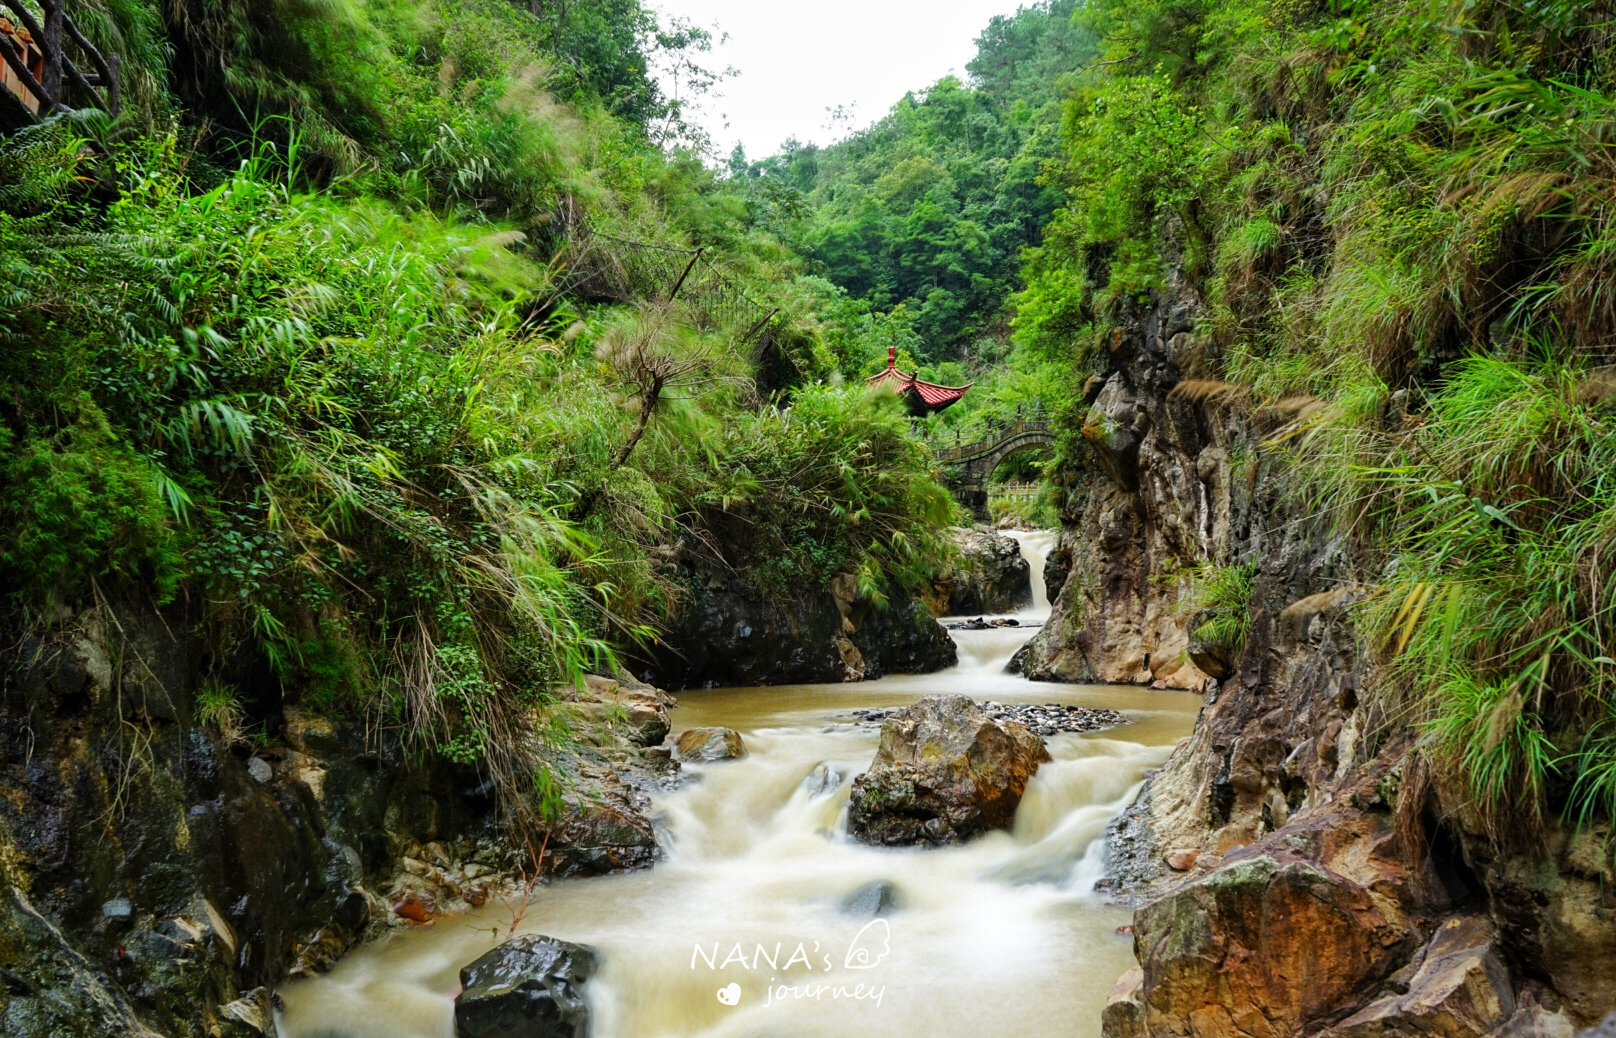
pixel 798 59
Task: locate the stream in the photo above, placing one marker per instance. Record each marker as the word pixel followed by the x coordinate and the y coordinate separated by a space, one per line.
pixel 1001 936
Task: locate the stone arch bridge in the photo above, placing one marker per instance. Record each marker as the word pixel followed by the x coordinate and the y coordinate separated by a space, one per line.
pixel 969 466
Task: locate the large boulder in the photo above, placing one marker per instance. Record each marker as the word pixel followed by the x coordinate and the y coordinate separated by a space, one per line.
pixel 710 744
pixel 945 772
pixel 1265 946
pixel 528 987
pixel 730 635
pixel 991 576
pixel 1456 987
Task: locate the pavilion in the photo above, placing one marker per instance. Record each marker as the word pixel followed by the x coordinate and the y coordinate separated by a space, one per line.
pixel 922 397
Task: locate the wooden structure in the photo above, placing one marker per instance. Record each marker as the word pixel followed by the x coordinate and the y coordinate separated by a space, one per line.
pixel 47 66
pixel 922 397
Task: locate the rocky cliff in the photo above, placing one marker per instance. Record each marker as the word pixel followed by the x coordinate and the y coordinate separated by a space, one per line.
pixel 990 576
pixel 1297 872
pixel 730 635
pixel 156 875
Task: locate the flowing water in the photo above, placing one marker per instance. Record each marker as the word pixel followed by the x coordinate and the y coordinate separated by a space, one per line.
pixel 1001 936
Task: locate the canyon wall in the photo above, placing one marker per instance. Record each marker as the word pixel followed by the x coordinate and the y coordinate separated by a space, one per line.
pixel 1297 871
pixel 157 876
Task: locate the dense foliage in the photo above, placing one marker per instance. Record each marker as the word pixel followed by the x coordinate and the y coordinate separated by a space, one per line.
pixel 1399 215
pixel 351 343
pixel 915 225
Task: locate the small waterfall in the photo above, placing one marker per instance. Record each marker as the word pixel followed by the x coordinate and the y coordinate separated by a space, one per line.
pixel 1035 548
pixel 987 652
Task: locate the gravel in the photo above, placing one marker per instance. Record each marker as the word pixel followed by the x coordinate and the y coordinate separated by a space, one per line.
pixel 1045 719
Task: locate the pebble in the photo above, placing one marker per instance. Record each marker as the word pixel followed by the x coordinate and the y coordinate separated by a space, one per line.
pixel 983 624
pixel 118 908
pixel 1048 719
pixel 259 769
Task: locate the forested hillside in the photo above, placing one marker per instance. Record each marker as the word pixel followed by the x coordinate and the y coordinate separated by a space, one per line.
pixel 356 331
pixel 913 228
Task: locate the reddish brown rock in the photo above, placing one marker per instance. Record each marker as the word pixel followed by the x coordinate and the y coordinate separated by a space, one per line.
pixel 1182 859
pixel 1263 947
pixel 417 906
pixel 945 771
pixel 710 744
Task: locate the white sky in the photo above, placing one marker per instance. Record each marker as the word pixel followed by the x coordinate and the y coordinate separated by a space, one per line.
pixel 796 60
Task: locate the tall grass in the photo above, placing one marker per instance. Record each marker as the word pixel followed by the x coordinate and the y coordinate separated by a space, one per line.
pixel 1400 216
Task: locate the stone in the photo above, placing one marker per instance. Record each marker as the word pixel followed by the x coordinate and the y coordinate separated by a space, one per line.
pixel 260 770
pixel 1262 946
pixel 1460 989
pixel 876 898
pixel 945 771
pixel 417 906
pixel 117 908
pixel 710 744
pixel 1124 1013
pixel 1183 859
pixel 991 576
pixel 528 987
pixel 603 830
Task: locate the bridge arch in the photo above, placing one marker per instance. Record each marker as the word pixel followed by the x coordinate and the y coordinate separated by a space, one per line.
pixel 970 466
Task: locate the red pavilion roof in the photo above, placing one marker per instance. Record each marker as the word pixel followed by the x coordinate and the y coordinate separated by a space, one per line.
pixel 922 395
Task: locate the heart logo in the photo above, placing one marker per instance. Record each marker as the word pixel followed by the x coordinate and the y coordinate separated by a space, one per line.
pixel 731 995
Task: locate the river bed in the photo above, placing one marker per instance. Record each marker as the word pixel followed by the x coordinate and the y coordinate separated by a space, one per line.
pixel 1002 936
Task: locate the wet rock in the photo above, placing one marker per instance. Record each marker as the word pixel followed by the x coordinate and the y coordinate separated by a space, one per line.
pixel 605 827
pixel 415 905
pixel 982 623
pixel 1045 719
pixel 710 744
pixel 730 636
pixel 530 986
pixel 1606 1029
pixel 117 908
pixel 824 779
pixel 945 771
pixel 1261 946
pixel 1460 989
pixel 876 898
pixel 1124 1012
pixel 991 576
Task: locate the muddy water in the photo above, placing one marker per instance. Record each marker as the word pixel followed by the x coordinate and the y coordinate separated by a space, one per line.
pixel 1003 936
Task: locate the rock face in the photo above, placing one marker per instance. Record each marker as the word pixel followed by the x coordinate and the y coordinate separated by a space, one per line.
pixel 1263 946
pixel 992 577
pixel 1296 874
pixel 945 772
pixel 155 879
pixel 732 637
pixel 530 987
pixel 1456 987
pixel 710 744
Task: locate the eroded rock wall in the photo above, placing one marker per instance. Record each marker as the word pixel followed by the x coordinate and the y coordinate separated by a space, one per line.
pixel 155 877
pixel 1296 873
pixel 730 636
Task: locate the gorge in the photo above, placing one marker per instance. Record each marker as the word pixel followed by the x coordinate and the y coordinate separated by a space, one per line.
pixel 1118 546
